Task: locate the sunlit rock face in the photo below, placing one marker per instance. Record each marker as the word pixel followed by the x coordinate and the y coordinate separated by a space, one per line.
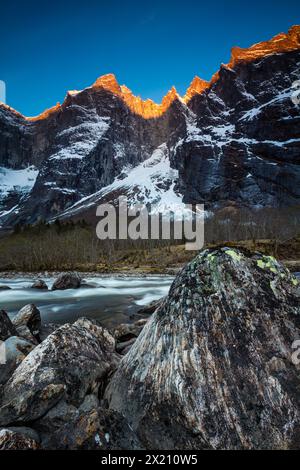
pixel 213 369
pixel 196 88
pixel 232 141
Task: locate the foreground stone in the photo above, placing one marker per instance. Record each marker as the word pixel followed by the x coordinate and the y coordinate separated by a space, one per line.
pixel 67 281
pixel 127 333
pixel 39 284
pixel 18 439
pixel 88 426
pixel 29 317
pixel 15 349
pixel 73 360
pixel 7 329
pixel 150 309
pixel 213 366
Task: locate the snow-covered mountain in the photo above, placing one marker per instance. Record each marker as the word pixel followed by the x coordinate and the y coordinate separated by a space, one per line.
pixel 234 141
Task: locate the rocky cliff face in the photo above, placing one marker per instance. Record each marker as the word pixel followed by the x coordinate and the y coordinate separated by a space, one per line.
pixel 234 140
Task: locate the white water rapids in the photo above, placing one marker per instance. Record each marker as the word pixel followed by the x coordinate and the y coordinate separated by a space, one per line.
pixel 109 299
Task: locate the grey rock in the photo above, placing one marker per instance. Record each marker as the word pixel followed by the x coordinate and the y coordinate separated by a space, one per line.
pixel 47 329
pixel 7 329
pixel 15 349
pixel 89 426
pixel 150 309
pixel 67 281
pixel 30 317
pixel 18 439
pixel 39 284
pixel 213 367
pixel 123 348
pixel 24 332
pixel 73 360
pixel 237 143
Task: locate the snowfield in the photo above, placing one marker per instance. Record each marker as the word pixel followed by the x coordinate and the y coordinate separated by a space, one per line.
pixel 18 180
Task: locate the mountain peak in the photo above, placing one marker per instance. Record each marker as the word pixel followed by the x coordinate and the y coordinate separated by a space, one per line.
pixel 108 82
pixel 167 100
pixel 196 87
pixel 283 42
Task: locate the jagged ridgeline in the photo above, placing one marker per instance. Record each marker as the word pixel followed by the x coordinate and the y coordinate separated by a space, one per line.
pixel 230 142
pixel 213 367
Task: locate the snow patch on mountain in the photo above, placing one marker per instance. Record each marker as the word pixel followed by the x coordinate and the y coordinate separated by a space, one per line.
pixel 152 182
pixel 254 112
pixel 17 180
pixel 81 139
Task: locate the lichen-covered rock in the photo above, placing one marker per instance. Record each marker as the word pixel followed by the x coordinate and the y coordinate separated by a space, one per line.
pixel 7 329
pixel 39 284
pixel 67 281
pixel 71 361
pixel 15 349
pixel 18 439
pixel 30 317
pixel 213 366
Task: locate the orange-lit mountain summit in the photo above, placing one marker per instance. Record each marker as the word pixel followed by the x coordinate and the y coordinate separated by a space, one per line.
pixel 284 42
pixel 233 141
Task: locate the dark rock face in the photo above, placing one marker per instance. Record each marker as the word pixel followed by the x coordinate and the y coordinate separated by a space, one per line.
pixel 29 317
pixel 213 366
pixel 70 362
pixel 235 143
pixel 39 284
pixel 7 329
pixel 67 281
pixel 87 427
pixel 18 439
pixel 243 143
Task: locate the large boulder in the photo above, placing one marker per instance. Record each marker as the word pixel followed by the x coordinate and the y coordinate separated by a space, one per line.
pixel 73 360
pixel 29 317
pixel 7 329
pixel 18 439
pixel 67 281
pixel 213 367
pixel 15 350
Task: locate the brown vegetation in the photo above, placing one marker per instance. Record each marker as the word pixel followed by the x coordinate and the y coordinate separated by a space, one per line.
pixel 60 247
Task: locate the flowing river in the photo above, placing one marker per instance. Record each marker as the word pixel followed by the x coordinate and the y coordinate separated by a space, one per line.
pixel 109 299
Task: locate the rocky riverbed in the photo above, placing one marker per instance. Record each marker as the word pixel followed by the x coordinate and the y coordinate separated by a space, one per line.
pixel 210 366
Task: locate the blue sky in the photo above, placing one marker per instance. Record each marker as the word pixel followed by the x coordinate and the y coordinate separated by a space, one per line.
pixel 49 47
